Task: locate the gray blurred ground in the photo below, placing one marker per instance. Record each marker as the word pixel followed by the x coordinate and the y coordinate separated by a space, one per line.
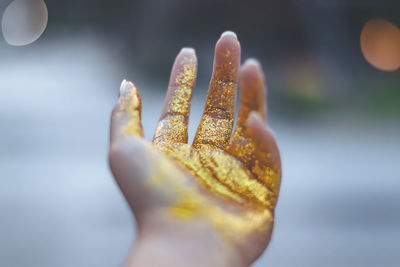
pixel 59 206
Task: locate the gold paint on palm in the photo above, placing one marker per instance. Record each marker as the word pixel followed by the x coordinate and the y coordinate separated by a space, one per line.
pixel 192 203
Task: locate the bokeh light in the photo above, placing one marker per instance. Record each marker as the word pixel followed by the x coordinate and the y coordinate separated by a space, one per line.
pixel 380 44
pixel 24 21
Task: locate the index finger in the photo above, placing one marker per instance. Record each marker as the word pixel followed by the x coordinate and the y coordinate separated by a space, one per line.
pixel 173 123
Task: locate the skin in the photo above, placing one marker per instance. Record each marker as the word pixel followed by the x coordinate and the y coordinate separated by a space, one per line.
pixel 210 203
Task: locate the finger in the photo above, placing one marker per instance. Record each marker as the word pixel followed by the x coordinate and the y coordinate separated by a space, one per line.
pixel 216 124
pixel 173 124
pixel 253 91
pixel 267 167
pixel 252 98
pixel 126 115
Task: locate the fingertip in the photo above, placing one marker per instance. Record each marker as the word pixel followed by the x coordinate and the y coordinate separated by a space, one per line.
pixel 188 50
pixel 263 136
pixel 252 62
pixel 185 64
pixel 258 131
pixel 125 87
pixel 186 55
pixel 254 120
pixel 251 71
pixel 227 58
pixel 228 41
pixel 228 34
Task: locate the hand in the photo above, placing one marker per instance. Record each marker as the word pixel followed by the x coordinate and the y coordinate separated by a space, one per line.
pixel 213 199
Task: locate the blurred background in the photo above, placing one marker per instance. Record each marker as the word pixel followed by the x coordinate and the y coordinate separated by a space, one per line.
pixel 332 69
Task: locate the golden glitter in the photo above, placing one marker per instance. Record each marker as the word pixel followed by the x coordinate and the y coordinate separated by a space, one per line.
pixel 225 181
pixel 184 83
pixel 217 122
pixel 232 174
pixel 192 203
pixel 173 123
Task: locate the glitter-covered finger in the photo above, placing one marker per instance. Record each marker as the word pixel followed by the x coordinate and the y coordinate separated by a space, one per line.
pixel 173 123
pixel 216 124
pixel 252 98
pixel 267 166
pixel 252 91
pixel 126 116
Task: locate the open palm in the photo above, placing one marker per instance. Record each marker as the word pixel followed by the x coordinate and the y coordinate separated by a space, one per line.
pixel 227 181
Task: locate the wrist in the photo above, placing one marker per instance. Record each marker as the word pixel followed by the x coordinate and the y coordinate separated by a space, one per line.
pixel 182 244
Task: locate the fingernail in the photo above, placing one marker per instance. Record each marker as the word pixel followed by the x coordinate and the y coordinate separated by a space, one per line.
pixel 252 61
pixel 254 118
pixel 228 33
pixel 125 86
pixel 188 50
